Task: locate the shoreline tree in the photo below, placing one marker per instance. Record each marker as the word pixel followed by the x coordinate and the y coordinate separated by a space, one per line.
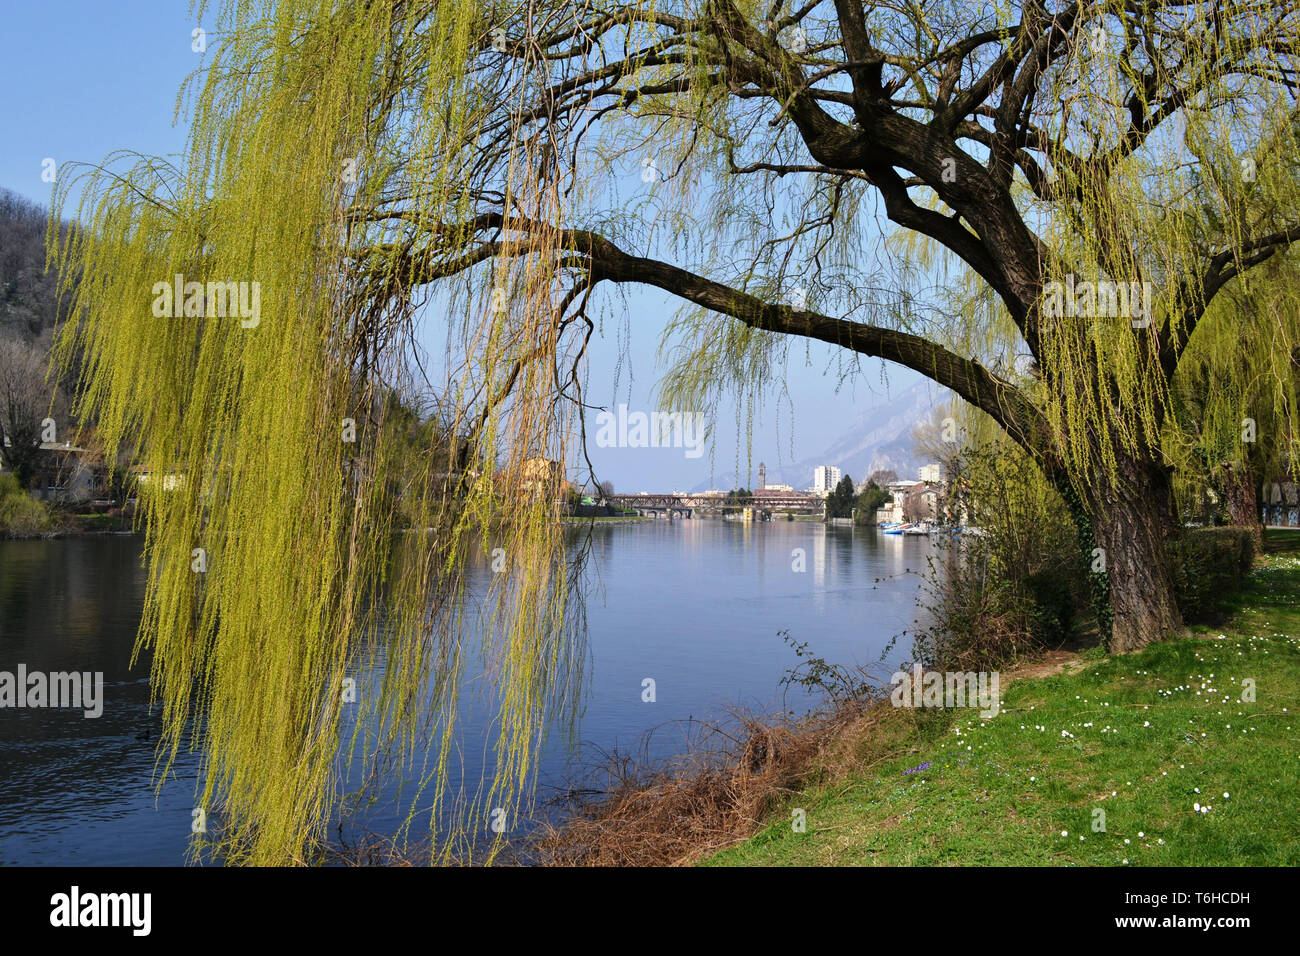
pixel 840 502
pixel 964 138
pixel 23 401
pixel 830 172
pixel 871 498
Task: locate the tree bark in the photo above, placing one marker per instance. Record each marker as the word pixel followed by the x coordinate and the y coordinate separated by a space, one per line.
pixel 1240 496
pixel 1132 521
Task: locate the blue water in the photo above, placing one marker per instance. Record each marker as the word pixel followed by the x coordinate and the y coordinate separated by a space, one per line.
pixel 697 606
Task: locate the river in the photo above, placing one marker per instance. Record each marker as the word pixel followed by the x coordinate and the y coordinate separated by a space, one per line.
pixel 697 606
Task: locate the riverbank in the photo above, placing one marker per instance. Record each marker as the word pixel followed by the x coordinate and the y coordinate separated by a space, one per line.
pixel 24 517
pixel 1183 772
pixel 73 526
pixel 585 518
pixel 1149 759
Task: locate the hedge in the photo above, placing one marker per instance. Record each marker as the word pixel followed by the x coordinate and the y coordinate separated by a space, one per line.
pixel 1209 565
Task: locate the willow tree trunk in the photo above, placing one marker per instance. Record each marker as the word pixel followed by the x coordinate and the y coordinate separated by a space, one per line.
pixel 1132 520
pixel 1239 492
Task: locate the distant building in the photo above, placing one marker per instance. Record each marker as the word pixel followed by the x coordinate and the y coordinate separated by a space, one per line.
pixel 542 476
pixel 912 501
pixel 779 491
pixel 762 476
pixel 932 473
pixel 167 482
pixel 777 487
pixel 1279 503
pixel 67 473
pixel 825 478
pixel 925 504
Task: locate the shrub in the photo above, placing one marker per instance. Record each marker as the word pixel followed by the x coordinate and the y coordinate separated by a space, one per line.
pixel 1014 588
pixel 977 617
pixel 20 514
pixel 1209 565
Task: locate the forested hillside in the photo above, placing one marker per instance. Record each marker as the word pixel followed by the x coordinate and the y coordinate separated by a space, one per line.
pixel 29 394
pixel 27 294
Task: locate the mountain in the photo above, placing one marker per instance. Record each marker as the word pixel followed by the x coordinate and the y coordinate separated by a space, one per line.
pixel 880 437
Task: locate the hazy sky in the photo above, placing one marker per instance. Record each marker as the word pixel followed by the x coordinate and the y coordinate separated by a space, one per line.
pixel 83 78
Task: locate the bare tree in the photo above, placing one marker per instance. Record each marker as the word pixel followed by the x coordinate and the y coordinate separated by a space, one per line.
pixel 24 404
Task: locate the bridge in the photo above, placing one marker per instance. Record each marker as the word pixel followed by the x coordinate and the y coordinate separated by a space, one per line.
pixel 673 506
pixel 789 501
pixel 685 506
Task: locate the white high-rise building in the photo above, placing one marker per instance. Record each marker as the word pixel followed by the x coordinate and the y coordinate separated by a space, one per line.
pixel 931 473
pixel 825 478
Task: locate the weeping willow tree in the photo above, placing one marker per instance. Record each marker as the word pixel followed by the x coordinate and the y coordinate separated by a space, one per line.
pixel 248 316
pixel 1234 425
pixel 384 170
pixel 1234 396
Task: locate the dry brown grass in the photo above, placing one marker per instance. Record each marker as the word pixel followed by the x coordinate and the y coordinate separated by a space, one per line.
pixel 719 795
pixel 675 814
pixel 724 789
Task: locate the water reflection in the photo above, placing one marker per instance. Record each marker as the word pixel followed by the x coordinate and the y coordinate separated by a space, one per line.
pixel 695 605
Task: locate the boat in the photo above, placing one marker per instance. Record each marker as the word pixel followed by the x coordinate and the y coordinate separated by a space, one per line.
pixel 897 529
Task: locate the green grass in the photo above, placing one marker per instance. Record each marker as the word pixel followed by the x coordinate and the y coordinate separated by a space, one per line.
pixel 101 522
pixel 1149 735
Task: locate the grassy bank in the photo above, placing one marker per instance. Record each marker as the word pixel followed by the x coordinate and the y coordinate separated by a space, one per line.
pixel 1145 738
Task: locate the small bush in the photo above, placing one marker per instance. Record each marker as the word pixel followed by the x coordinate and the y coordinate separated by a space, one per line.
pixel 1015 588
pixel 20 514
pixel 980 616
pixel 1209 565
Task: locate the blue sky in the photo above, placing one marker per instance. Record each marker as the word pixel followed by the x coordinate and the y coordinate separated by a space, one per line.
pixel 83 78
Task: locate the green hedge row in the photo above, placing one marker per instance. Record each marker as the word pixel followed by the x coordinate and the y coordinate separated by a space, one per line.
pixel 1209 565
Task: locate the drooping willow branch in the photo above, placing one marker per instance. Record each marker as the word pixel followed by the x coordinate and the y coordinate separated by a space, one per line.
pixel 392 171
